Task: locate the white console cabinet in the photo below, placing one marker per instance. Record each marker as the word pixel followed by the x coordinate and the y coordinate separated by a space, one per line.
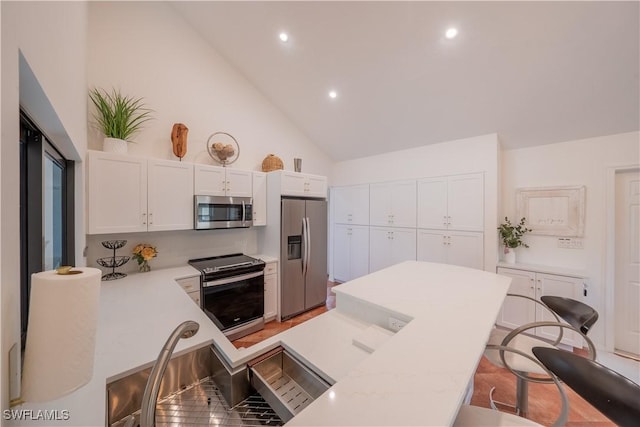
pixel 533 283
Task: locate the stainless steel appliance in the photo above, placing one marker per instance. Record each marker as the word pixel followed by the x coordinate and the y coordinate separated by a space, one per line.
pixel 211 212
pixel 303 254
pixel 232 288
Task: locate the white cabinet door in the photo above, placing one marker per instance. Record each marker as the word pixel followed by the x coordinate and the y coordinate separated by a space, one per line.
pixel 451 202
pixel 393 204
pixel 270 295
pixel 516 311
pixel 465 202
pixel 350 252
pixel 316 186
pixel 359 247
pixel 466 249
pixel 342 252
pixel 293 184
pixel 116 193
pixel 389 246
pixel 239 183
pixel 259 198
pixel 351 204
pixel 432 246
pixel 209 180
pixel 170 195
pixel 432 203
pixel 562 286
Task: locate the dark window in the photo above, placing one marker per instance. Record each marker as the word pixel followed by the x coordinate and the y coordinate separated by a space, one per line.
pixel 46 210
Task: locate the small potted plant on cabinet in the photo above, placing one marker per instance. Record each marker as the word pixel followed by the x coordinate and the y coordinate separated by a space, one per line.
pixel 511 236
pixel 118 117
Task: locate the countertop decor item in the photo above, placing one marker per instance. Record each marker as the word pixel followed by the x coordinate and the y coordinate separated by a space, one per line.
pixel 118 117
pixel 179 134
pixel 61 336
pixel 223 148
pixel 272 163
pixel 511 236
pixel 143 253
pixel 114 261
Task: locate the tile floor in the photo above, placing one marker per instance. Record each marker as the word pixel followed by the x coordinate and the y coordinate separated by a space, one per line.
pixel 544 401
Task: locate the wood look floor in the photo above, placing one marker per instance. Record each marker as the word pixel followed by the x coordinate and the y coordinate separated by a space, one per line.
pixel 544 401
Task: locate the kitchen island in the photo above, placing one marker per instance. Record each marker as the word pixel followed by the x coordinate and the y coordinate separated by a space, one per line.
pixel 418 376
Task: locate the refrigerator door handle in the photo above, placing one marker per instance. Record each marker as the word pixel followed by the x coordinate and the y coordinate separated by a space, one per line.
pixel 304 251
pixel 308 245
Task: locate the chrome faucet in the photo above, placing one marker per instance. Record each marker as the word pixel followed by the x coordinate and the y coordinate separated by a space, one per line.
pixel 150 397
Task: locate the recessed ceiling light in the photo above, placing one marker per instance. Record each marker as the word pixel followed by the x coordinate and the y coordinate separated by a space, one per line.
pixel 284 37
pixel 333 94
pixel 451 33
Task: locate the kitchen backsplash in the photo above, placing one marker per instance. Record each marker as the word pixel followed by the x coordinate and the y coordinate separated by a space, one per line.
pixel 174 248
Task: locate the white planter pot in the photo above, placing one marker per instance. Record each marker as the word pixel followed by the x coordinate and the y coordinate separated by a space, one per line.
pixel 509 255
pixel 115 145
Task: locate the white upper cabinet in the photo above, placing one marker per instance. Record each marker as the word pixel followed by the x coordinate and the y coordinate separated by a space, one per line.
pixel 128 194
pixel 220 181
pixel 259 198
pixel 453 202
pixel 393 204
pixel 351 204
pixel 116 193
pixel 170 195
pixel 300 184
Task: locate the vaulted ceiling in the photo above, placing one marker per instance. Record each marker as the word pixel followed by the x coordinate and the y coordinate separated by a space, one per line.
pixel 534 72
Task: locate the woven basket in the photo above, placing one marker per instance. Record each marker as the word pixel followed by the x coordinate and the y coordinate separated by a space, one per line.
pixel 272 163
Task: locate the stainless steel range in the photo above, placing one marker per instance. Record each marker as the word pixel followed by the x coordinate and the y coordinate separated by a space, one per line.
pixel 232 288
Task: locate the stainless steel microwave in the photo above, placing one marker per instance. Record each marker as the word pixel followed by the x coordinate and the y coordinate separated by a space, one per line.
pixel 213 212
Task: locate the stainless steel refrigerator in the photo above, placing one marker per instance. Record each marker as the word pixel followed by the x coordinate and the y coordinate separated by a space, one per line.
pixel 303 254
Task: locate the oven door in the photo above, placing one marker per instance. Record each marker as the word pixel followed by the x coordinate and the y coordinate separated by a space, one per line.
pixel 235 300
pixel 211 212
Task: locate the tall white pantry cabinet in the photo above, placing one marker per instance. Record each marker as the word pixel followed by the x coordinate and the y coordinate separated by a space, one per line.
pixel 436 219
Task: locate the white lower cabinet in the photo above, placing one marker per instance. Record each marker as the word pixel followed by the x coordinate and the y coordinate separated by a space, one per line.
pixel 390 245
pixel 451 247
pixel 350 252
pixel 516 312
pixel 270 290
pixel 191 286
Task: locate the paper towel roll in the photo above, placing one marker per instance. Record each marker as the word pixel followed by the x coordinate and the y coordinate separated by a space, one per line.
pixel 63 315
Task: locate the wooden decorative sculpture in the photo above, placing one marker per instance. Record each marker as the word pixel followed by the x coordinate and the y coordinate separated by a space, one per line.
pixel 179 139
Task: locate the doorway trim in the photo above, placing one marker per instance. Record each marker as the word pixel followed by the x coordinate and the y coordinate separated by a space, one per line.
pixel 610 244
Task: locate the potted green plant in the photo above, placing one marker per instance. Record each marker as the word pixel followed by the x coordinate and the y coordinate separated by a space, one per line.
pixel 511 236
pixel 118 117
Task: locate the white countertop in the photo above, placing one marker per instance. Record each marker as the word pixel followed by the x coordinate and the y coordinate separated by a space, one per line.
pixel 417 377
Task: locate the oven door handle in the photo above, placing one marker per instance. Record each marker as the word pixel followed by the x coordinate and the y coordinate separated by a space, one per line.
pixel 232 279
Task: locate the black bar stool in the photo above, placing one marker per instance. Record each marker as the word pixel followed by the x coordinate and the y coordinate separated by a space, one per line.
pixel 617 397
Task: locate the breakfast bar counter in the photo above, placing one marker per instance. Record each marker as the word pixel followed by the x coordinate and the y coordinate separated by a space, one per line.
pixel 417 376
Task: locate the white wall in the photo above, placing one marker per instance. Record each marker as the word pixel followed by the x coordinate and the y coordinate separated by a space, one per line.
pixel 43 69
pixel 581 162
pixel 147 50
pixel 477 154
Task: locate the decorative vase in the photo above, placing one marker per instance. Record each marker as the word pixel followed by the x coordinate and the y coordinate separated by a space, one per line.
pixel 114 145
pixel 144 267
pixel 509 255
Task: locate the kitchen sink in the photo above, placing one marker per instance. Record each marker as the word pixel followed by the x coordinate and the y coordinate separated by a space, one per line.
pixel 285 383
pixel 198 389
